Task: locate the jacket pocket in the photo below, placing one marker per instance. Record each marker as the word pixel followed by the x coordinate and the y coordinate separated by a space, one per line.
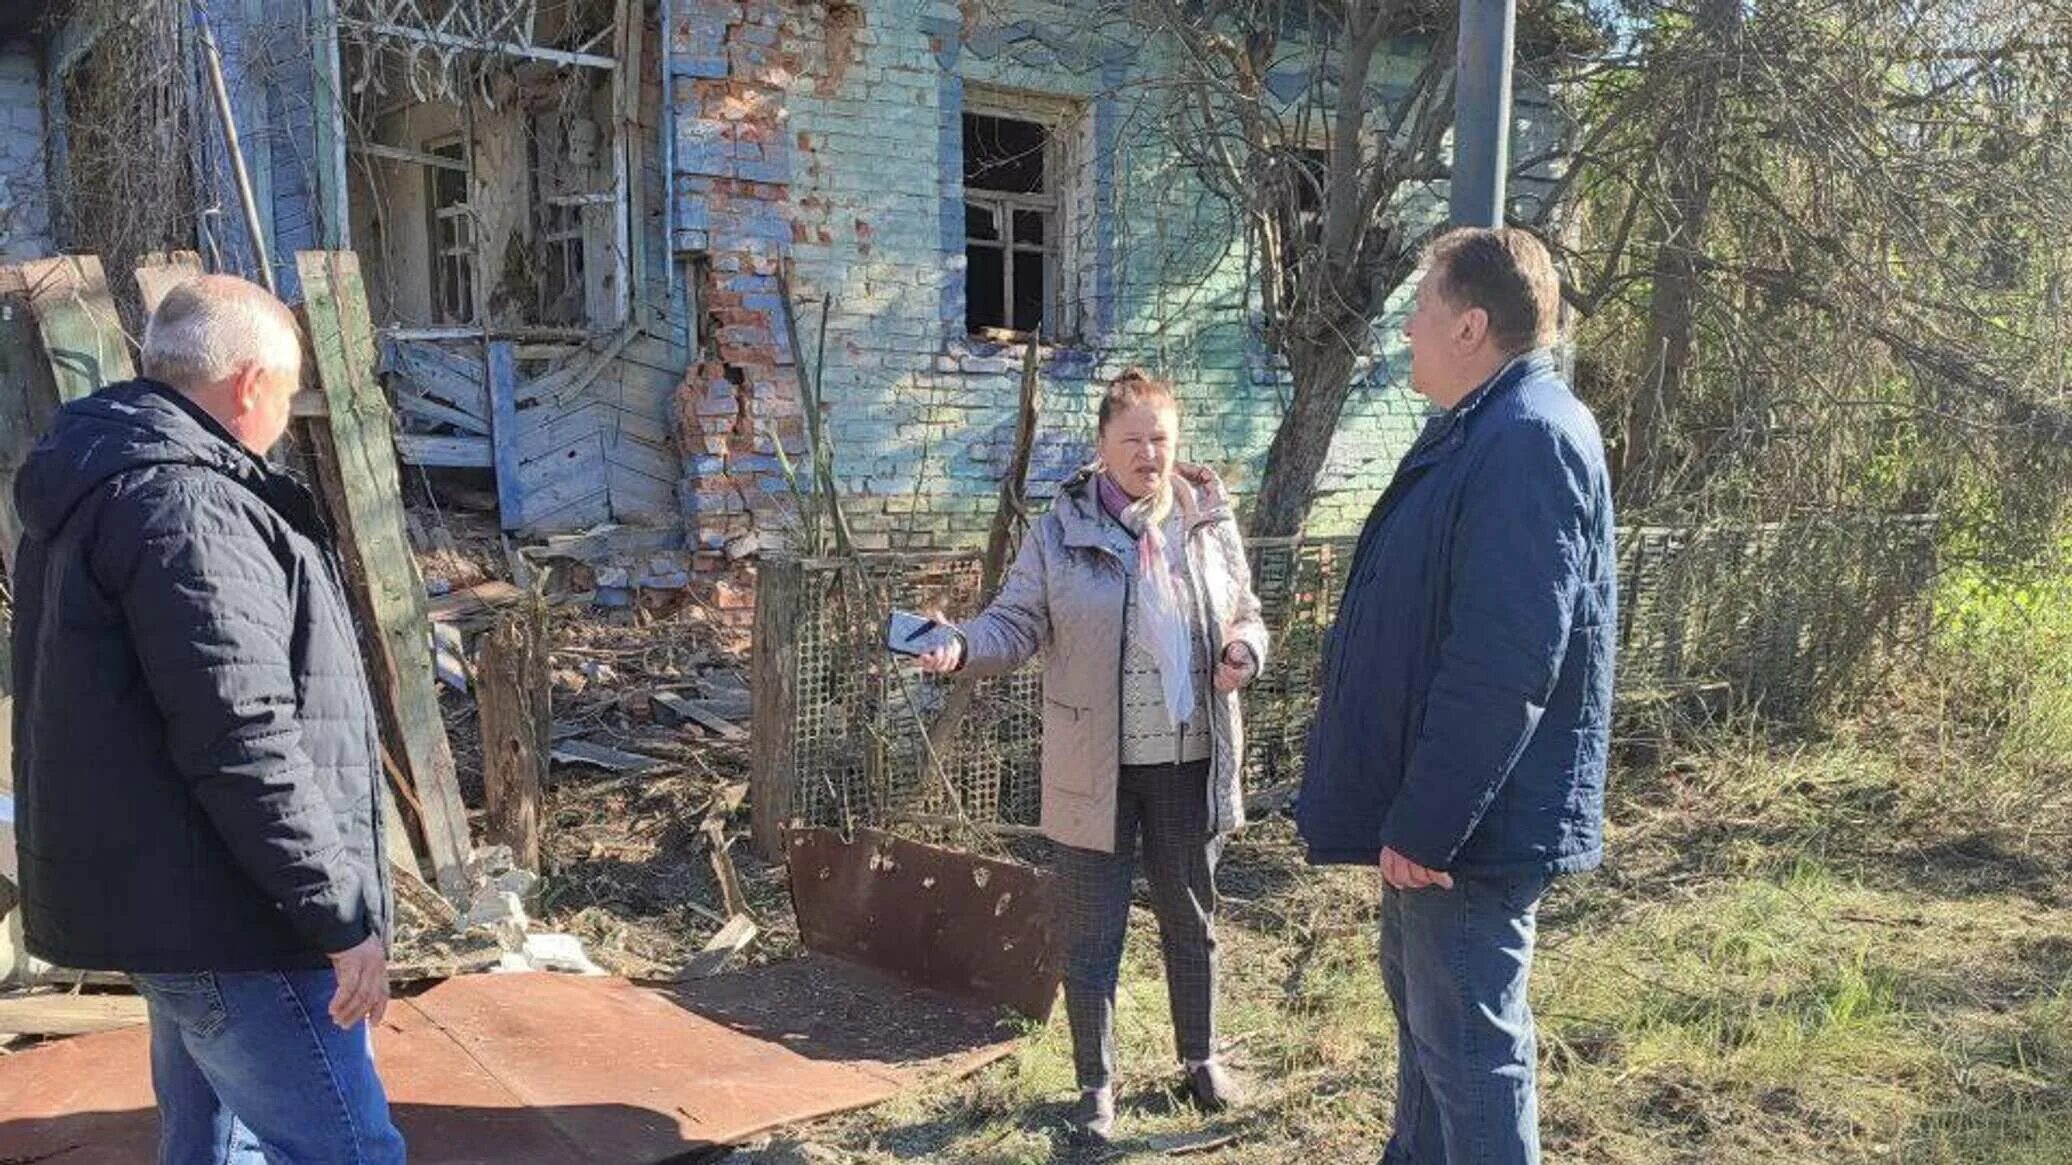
pixel 192 1001
pixel 1061 708
pixel 1068 756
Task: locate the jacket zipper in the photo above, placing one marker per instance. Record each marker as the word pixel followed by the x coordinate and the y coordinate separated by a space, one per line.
pixel 1211 639
pixel 1122 655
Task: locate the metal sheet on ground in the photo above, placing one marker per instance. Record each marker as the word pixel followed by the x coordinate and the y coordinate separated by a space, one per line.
pixel 976 928
pixel 533 1069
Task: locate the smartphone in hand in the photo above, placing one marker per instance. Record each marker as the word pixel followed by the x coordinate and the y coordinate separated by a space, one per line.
pixel 909 634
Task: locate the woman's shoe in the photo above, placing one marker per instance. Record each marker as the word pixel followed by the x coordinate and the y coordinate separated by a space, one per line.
pixel 1093 1118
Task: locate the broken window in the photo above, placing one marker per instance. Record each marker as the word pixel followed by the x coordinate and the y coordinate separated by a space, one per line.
pixel 487 186
pixel 1014 278
pixel 573 217
pixel 452 232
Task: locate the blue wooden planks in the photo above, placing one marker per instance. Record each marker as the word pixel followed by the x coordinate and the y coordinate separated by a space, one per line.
pixel 503 425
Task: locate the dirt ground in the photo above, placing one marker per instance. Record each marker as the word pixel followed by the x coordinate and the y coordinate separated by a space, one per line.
pixel 1848 948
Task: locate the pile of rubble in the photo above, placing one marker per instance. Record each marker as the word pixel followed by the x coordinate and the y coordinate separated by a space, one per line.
pixel 647 775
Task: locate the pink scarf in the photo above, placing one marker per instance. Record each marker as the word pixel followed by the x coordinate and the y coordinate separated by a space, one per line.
pixel 1162 602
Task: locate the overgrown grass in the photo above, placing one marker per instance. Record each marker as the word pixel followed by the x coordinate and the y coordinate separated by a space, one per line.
pixel 1856 948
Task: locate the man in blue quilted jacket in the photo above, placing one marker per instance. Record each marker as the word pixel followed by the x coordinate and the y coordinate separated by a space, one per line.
pixel 197 765
pixel 1465 712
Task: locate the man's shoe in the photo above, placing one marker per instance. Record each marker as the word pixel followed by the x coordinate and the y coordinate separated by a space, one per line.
pixel 1213 1088
pixel 1093 1118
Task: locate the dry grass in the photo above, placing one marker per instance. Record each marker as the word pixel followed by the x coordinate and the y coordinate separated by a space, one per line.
pixel 1850 949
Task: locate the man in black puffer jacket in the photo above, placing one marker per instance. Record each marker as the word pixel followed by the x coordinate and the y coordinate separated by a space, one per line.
pixel 197 765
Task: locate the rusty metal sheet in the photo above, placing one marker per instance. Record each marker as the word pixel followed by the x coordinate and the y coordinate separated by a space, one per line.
pixel 527 1069
pixel 86 1100
pixel 632 1076
pixel 451 1107
pixel 970 926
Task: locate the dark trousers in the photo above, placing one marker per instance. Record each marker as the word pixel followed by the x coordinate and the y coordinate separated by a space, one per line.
pixel 1168 805
pixel 1456 963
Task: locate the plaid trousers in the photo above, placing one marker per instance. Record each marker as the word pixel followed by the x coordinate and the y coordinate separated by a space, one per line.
pixel 1169 806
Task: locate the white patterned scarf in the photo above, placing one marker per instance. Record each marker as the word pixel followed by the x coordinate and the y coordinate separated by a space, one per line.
pixel 1162 609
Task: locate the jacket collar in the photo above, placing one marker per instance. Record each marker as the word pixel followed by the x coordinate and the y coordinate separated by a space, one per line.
pixel 275 486
pixel 1200 491
pixel 1516 371
pixel 1445 431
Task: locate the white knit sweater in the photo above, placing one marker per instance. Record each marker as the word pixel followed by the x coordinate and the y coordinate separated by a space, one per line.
pixel 1149 736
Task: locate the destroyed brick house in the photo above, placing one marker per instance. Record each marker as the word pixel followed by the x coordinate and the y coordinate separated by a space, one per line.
pixel 581 223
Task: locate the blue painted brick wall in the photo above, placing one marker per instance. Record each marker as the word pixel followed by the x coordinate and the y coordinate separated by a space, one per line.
pixel 922 416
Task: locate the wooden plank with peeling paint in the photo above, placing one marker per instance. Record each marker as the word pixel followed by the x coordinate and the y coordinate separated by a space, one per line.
pixel 503 416
pixel 437 452
pixel 28 398
pixel 355 454
pixel 82 333
pixel 542 431
pixel 426 369
pixel 159 272
pixel 426 408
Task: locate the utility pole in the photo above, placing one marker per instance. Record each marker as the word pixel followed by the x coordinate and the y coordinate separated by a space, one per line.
pixel 1482 112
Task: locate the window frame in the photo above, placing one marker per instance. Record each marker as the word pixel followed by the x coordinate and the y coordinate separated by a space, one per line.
pixel 613 244
pixel 1057 117
pixel 1312 156
pixel 460 257
pixel 564 230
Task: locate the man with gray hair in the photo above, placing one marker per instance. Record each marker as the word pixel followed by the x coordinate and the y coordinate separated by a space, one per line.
pixel 197 765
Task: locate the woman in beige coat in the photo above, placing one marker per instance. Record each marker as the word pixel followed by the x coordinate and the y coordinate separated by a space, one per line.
pixel 1134 588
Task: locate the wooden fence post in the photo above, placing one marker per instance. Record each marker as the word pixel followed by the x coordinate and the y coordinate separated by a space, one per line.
pixel 512 687
pixel 773 684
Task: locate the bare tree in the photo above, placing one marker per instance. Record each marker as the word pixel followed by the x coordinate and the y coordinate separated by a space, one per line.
pixel 1823 257
pixel 1280 108
pixel 1685 165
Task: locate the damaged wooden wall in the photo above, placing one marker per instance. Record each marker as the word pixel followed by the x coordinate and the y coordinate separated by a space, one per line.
pixel 567 404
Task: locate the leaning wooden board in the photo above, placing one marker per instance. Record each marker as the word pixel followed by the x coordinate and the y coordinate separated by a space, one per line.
pixel 28 396
pixel 355 454
pixel 159 273
pixel 82 334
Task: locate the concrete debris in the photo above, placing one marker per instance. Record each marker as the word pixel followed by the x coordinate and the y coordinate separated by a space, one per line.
pixel 559 952
pixel 523 883
pixel 500 913
pixel 488 862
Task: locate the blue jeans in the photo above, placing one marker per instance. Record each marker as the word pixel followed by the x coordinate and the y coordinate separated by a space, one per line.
pixel 250 1070
pixel 1455 963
